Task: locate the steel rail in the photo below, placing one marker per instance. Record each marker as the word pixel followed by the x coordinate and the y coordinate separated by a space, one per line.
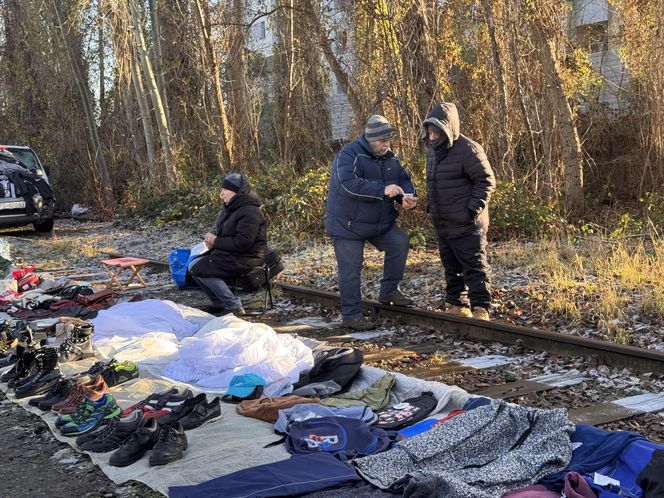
pixel 601 352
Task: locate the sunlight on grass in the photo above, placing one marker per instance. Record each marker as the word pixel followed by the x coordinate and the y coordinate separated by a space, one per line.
pixel 611 304
pixel 653 300
pixel 562 305
pixel 616 332
pixel 63 248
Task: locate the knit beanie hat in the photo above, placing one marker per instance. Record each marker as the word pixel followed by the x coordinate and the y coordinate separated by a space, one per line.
pixel 378 128
pixel 232 182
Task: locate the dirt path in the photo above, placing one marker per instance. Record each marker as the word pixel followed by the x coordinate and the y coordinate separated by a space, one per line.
pixel 34 463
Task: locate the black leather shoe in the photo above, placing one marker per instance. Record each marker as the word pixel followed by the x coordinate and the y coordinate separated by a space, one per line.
pixel 182 410
pixel 171 445
pixel 202 413
pixel 138 443
pixel 114 435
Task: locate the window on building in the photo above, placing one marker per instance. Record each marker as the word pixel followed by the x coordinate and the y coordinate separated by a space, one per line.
pixel 259 30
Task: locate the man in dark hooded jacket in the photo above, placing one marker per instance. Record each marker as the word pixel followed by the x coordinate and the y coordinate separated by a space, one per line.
pixel 238 244
pixel 365 182
pixel 459 183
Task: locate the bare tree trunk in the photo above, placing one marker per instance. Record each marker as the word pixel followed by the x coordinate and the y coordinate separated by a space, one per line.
pixel 225 133
pixel 155 96
pixel 136 148
pixel 144 109
pixel 102 75
pixel 518 85
pixel 572 156
pixel 158 58
pixel 95 143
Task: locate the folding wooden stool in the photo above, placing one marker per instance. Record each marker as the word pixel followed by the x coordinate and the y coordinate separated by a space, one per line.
pixel 115 268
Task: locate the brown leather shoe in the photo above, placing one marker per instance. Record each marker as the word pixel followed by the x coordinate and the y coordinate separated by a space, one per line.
pixel 93 390
pixel 455 310
pixel 480 313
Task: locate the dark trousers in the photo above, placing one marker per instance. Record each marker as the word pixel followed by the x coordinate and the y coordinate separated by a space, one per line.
pixel 466 268
pixel 350 255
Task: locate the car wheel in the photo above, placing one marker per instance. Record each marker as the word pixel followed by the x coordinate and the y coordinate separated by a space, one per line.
pixel 44 226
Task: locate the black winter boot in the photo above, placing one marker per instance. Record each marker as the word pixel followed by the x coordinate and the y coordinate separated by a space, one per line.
pixel 47 374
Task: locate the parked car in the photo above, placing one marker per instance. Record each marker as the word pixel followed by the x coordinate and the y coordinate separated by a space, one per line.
pixel 25 194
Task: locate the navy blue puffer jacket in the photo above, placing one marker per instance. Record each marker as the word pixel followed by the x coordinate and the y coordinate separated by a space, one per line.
pixel 460 180
pixel 357 207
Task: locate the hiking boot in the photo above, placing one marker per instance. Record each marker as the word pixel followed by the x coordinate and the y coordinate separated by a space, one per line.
pixel 453 309
pixel 181 410
pixel 358 323
pixel 153 398
pixel 47 375
pixel 59 391
pixel 480 313
pixel 171 445
pixel 105 408
pixel 202 413
pixel 396 298
pixel 119 373
pixel 113 435
pixel 136 445
pixel 78 345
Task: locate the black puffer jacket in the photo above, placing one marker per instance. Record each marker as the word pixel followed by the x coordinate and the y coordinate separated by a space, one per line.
pixel 241 242
pixel 459 178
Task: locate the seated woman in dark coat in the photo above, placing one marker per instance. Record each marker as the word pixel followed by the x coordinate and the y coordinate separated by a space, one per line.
pixel 238 244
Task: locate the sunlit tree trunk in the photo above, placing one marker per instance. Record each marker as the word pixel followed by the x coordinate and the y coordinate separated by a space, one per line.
pixel 158 58
pixel 571 156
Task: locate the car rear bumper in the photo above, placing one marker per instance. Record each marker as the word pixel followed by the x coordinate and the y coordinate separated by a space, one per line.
pixel 14 217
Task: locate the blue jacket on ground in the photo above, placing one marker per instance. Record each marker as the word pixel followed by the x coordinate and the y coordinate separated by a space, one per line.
pixel 357 207
pixel 297 475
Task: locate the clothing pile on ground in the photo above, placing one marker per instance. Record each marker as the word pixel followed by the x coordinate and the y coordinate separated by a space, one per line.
pixel 27 296
pixel 289 416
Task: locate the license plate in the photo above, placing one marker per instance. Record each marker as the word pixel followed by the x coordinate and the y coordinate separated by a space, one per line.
pixel 12 205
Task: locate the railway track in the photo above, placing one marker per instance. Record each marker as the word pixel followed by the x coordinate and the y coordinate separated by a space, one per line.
pixel 595 352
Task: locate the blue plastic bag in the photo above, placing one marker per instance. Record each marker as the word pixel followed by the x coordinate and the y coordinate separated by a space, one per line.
pixel 178 262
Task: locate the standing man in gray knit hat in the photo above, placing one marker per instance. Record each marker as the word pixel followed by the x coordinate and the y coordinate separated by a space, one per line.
pixel 366 181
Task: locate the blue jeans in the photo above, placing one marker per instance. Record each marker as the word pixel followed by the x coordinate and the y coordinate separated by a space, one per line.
pixel 218 292
pixel 350 256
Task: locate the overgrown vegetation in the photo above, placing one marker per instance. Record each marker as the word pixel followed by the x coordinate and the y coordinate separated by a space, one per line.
pixel 120 97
